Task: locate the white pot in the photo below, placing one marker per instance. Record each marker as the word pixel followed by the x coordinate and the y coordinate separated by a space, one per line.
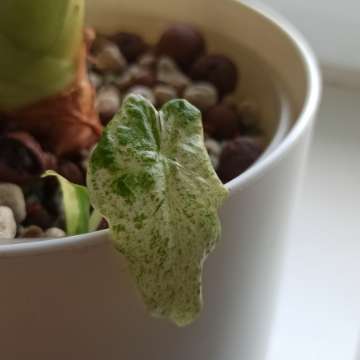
pixel 72 298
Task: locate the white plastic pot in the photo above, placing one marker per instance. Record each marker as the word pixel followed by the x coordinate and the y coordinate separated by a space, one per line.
pixel 73 299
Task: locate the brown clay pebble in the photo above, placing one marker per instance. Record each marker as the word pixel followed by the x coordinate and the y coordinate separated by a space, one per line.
pixel 31 232
pixel 218 70
pixel 5 125
pixel 98 44
pixel 103 224
pixel 231 101
pixel 22 158
pixel 183 43
pixel 221 122
pixel 37 215
pixel 22 154
pixel 237 156
pixel 72 172
pixel 146 78
pixel 131 45
pixel 51 192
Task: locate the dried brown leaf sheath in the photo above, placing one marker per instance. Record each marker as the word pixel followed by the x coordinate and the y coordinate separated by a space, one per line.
pixel 67 122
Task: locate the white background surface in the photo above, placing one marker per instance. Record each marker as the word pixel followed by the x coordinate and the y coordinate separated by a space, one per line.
pixel 319 306
pixel 332 26
pixel 318 315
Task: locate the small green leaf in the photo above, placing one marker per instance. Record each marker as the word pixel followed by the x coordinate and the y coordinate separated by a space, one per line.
pixel 95 220
pixel 76 205
pixel 151 178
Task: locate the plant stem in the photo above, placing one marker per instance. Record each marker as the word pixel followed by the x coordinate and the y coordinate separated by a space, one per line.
pixel 39 44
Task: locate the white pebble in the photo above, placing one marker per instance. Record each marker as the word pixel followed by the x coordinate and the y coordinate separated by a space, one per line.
pixel 135 71
pixel 108 101
pixel 12 196
pixel 144 91
pixel 54 232
pixel 147 60
pixel 213 146
pixel 202 95
pixel 124 80
pixel 168 73
pixel 110 58
pixel 214 149
pixel 130 76
pixel 214 161
pixel 95 79
pixel 110 79
pixel 249 112
pixel 7 223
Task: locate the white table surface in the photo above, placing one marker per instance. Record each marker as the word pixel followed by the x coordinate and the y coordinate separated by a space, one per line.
pixel 318 315
pixel 331 27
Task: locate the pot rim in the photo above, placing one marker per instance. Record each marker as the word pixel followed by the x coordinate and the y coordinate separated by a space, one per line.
pixel 311 104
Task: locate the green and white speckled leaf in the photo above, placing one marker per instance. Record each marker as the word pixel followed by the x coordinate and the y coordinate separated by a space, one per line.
pixel 150 176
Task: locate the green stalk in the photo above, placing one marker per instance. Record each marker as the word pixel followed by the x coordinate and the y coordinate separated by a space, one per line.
pixel 39 44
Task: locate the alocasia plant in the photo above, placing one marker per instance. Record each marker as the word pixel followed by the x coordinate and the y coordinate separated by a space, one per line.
pixel 150 176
